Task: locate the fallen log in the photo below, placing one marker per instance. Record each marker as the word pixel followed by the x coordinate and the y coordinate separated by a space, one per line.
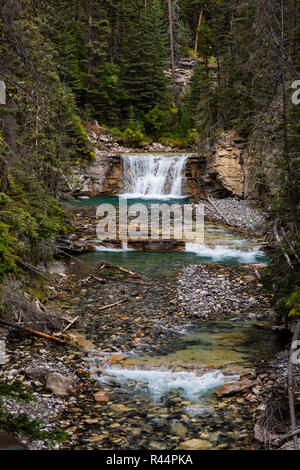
pixel 34 332
pixel 113 305
pixel 106 264
pixel 287 436
pixel 214 206
pixel 57 248
pixel 32 268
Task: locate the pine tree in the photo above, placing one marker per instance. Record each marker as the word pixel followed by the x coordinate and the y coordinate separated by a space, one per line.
pixel 144 56
pixel 96 37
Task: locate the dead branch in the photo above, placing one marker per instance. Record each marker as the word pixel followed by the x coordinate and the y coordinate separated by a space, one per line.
pixel 136 281
pixel 34 332
pixel 279 241
pixel 256 272
pixel 32 268
pixel 106 264
pixel 287 436
pixel 289 243
pixel 71 323
pixel 216 209
pixel 113 305
pixel 99 279
pixel 143 292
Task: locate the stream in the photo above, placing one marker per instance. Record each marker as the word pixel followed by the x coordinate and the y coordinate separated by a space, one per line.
pixel 159 367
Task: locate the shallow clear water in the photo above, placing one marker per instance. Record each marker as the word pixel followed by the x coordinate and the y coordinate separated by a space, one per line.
pixel 221 245
pixel 194 363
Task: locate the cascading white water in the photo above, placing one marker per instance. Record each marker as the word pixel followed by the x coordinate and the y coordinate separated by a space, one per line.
pixel 159 382
pixel 153 176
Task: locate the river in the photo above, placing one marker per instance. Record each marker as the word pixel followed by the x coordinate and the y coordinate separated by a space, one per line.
pixel 160 369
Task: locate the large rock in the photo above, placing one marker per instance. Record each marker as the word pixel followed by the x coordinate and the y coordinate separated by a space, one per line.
pixel 194 170
pixel 196 444
pixel 234 388
pixel 101 176
pixel 38 373
pixel 61 385
pixel 225 170
pixel 160 245
pixel 102 397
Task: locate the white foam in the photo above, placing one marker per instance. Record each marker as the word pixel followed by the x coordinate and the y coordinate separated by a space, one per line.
pixel 154 196
pixel 159 382
pixel 111 249
pixel 221 253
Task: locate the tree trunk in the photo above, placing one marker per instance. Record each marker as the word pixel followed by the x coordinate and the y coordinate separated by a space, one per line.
pixel 197 32
pixel 89 36
pixel 89 53
pixel 287 156
pixel 172 47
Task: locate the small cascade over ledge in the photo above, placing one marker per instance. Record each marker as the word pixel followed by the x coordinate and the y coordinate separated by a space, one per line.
pixel 153 176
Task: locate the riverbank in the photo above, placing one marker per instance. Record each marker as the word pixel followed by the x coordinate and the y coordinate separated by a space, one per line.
pixel 242 214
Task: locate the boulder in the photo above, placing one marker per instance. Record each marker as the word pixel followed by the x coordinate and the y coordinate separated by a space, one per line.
pixel 61 385
pixel 102 397
pixel 225 170
pixel 196 444
pixel 234 388
pixel 160 245
pixel 38 373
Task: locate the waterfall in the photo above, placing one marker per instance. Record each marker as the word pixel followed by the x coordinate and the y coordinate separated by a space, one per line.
pixel 153 176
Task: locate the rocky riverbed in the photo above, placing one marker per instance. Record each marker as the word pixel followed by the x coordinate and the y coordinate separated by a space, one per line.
pixel 239 213
pixel 96 411
pixel 217 291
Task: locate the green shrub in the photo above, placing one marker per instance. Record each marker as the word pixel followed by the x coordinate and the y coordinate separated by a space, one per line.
pixel 133 135
pixel 290 305
pixel 155 121
pixel 22 424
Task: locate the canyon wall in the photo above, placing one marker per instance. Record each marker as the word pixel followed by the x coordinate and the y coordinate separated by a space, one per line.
pixel 102 176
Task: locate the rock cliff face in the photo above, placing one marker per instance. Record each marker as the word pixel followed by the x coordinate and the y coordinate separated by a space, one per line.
pixel 194 171
pixel 225 165
pixel 222 166
pixel 101 176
